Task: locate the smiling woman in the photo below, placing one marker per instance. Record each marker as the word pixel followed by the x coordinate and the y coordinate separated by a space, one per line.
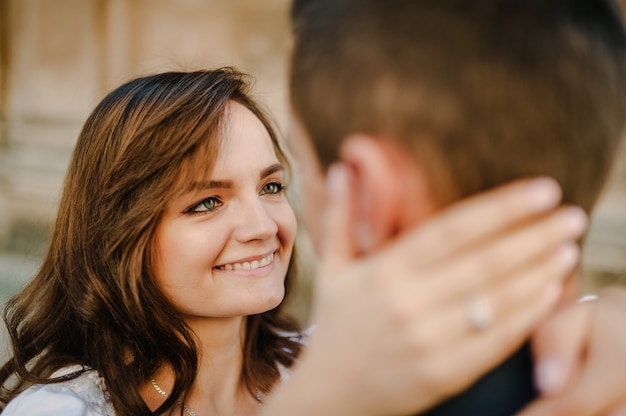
pixel 222 250
pixel 163 287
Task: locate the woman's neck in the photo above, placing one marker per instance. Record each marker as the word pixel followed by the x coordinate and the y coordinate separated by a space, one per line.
pixel 218 388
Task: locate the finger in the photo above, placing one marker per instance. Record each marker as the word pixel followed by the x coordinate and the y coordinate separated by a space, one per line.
pixel 558 347
pixel 577 401
pixel 601 382
pixel 521 250
pixel 465 362
pixel 599 386
pixel 512 295
pixel 450 322
pixel 337 243
pixel 478 217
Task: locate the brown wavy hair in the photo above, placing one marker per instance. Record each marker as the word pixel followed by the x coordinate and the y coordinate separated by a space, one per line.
pixel 94 302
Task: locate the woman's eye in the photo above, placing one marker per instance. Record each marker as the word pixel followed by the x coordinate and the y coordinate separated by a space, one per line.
pixel 272 188
pixel 209 204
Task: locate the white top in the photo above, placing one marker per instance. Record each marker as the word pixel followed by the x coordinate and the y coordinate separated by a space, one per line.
pixel 83 396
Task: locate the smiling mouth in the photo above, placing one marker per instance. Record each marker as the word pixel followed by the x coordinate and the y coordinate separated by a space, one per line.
pixel 248 265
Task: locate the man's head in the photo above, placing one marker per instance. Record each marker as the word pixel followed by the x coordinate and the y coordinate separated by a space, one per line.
pixel 475 93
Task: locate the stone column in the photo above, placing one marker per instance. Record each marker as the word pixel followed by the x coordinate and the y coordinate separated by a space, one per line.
pixel 52 71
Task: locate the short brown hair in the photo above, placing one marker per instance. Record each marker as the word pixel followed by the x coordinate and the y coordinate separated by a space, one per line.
pixel 482 92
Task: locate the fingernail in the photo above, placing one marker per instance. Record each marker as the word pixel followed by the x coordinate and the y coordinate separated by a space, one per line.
pixel 545 193
pixel 336 181
pixel 574 219
pixel 550 375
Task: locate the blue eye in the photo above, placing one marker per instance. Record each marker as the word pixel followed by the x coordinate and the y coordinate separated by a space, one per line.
pixel 206 205
pixel 272 188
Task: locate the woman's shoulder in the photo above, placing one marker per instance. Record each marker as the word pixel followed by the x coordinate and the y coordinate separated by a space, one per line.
pixel 84 395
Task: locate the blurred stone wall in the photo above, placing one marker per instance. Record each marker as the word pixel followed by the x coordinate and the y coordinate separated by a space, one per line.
pixel 58 58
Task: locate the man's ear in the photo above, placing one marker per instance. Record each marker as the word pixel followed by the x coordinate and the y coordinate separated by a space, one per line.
pixel 388 190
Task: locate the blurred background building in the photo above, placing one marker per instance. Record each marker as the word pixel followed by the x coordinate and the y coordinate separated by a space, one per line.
pixel 58 58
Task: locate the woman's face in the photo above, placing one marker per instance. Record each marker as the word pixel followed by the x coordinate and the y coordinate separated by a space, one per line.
pixel 223 249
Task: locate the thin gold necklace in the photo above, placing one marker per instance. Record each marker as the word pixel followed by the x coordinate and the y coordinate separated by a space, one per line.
pixel 187 410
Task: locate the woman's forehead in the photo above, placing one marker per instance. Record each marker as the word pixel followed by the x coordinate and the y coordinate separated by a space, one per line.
pixel 242 146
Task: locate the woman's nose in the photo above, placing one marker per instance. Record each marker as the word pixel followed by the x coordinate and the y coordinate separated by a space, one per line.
pixel 255 222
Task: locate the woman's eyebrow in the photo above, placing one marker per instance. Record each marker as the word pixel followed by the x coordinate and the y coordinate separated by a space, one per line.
pixel 227 184
pixel 276 167
pixel 202 185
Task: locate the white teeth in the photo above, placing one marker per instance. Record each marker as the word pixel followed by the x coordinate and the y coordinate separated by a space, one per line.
pixel 253 265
